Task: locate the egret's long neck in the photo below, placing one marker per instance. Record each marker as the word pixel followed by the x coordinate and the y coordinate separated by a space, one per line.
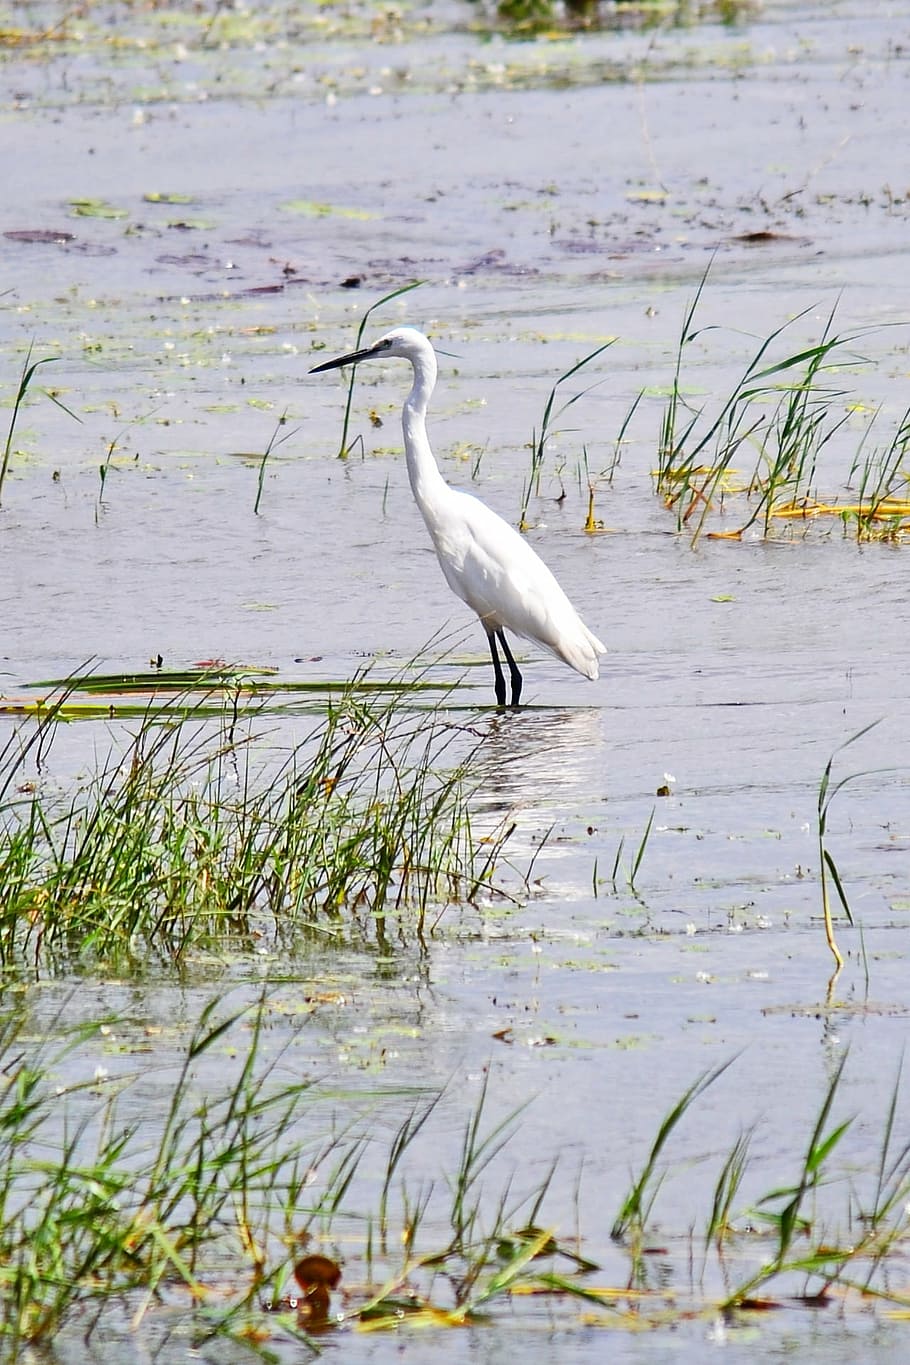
pixel 427 484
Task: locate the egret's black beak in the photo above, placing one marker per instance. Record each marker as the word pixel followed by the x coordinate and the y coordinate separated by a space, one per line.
pixel 351 359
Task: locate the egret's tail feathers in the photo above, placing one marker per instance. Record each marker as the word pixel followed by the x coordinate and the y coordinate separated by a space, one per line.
pixel 582 654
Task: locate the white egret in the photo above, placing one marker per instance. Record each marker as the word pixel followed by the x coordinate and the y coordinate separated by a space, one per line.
pixel 486 562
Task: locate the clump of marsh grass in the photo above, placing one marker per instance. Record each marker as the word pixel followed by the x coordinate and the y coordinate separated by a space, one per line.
pixel 92 1205
pixel 882 479
pixel 786 409
pixel 782 415
pixel 636 862
pixel 493 1241
pixel 779 1242
pixel 190 836
pixel 211 1206
pixel 636 1208
pixel 790 1216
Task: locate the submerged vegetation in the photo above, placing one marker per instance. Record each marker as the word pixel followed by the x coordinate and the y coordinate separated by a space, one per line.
pixel 534 15
pixel 220 25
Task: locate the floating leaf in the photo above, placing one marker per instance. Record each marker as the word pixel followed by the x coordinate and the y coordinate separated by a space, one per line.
pixel 96 208
pixel 310 208
pixel 254 682
pixel 192 225
pixel 154 197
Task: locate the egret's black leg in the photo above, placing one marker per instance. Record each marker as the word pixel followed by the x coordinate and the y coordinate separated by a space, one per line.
pixel 497 669
pixel 513 669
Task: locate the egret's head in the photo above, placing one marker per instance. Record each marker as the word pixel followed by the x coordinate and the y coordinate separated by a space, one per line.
pixel 406 342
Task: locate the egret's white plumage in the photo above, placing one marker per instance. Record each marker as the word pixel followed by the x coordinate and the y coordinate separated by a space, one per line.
pixel 486 562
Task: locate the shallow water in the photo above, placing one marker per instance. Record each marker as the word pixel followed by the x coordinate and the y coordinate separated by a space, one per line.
pixel 552 195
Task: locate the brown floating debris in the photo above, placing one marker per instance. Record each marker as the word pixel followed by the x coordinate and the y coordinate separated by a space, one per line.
pixel 762 236
pixel 42 236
